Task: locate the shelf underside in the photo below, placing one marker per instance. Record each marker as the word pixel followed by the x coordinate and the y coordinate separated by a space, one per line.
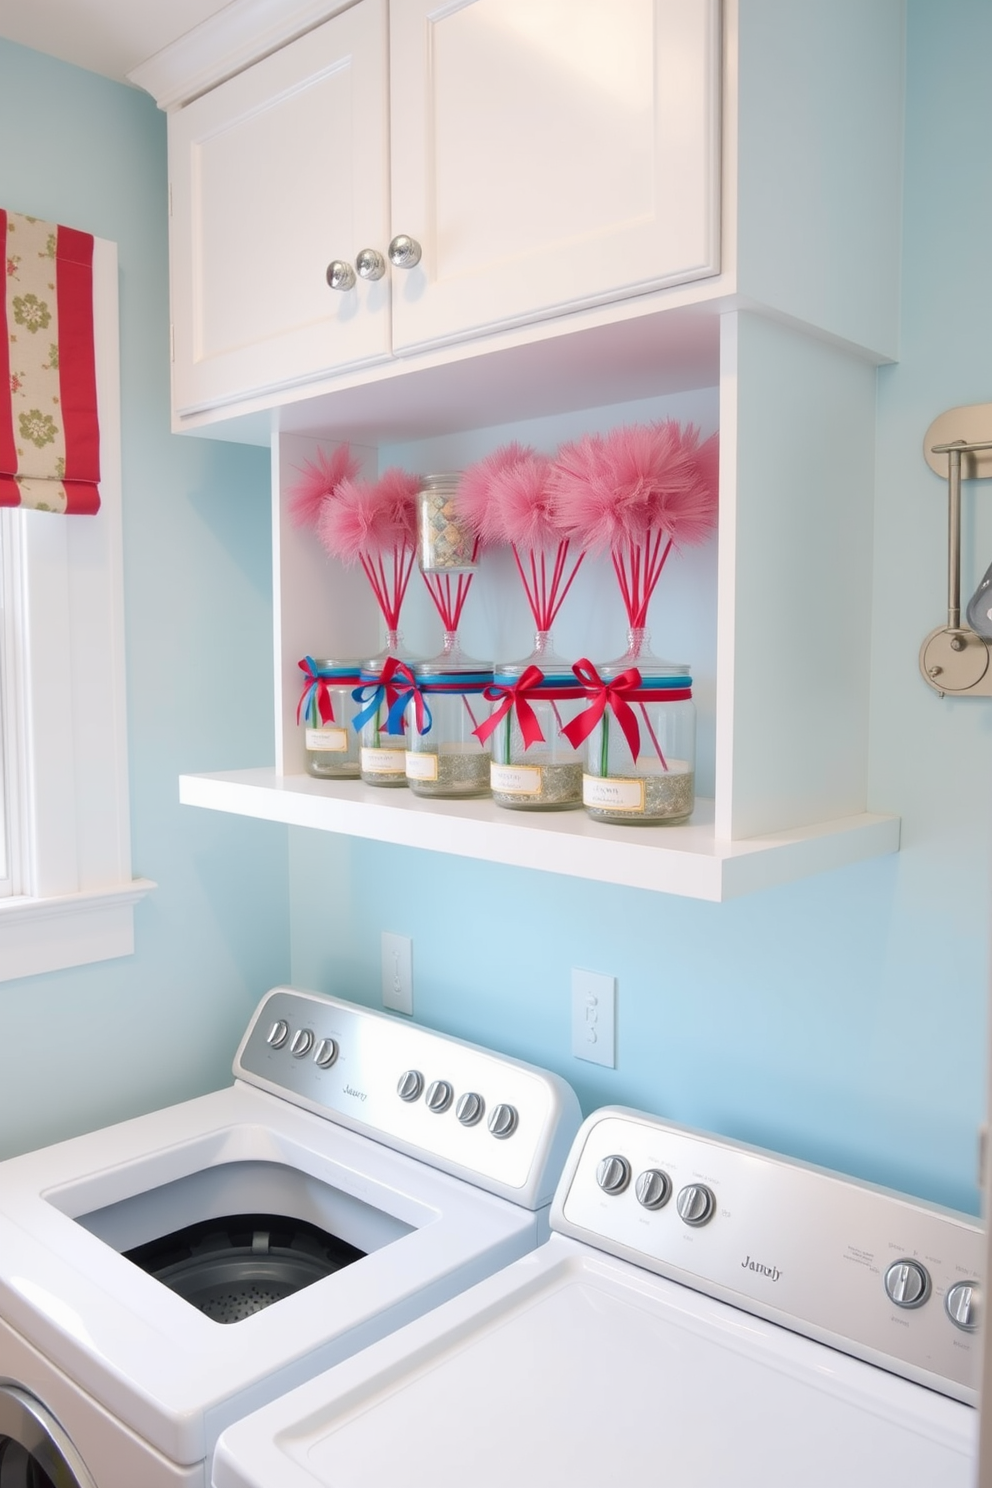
pixel 688 860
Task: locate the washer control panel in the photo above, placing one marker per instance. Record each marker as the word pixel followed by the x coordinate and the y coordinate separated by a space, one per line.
pixel 505 1125
pixel 875 1273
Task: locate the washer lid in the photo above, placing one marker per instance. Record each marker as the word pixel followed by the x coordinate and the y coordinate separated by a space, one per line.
pixel 573 1370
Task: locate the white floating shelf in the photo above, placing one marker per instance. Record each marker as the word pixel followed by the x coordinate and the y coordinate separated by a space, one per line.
pixel 688 861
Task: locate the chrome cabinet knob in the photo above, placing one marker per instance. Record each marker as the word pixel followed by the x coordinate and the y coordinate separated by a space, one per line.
pixel 653 1188
pixel 340 275
pixel 963 1305
pixel 695 1204
pixel 404 252
pixel 370 264
pixel 613 1174
pixel 470 1108
pixel 907 1283
pixel 410 1085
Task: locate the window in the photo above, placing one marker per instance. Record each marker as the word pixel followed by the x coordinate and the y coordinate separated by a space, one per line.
pixel 69 894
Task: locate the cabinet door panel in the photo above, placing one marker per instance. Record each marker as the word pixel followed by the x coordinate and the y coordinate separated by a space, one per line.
pixel 548 154
pixel 275 173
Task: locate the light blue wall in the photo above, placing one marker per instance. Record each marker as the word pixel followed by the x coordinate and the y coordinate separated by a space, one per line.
pixel 841 1019
pixel 84 1047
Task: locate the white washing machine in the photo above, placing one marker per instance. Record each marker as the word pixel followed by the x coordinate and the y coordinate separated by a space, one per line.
pixel 705 1315
pixel 162 1277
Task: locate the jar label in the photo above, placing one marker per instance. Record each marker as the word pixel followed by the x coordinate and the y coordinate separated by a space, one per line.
pixel 617 795
pixel 383 761
pixel 421 766
pixel 516 780
pixel 328 740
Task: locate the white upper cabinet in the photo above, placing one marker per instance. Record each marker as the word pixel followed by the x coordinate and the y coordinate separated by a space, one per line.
pixel 549 154
pixel 270 174
pixel 545 155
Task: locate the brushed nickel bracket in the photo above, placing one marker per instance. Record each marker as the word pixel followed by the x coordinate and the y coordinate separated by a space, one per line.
pixel 958 446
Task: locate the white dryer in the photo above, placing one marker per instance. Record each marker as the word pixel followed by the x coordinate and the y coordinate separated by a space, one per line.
pixel 162 1277
pixel 704 1314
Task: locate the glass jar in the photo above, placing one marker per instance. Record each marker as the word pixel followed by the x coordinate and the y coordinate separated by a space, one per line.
pixel 641 741
pixel 533 765
pixel 444 544
pixel 385 683
pixel 444 757
pixel 325 711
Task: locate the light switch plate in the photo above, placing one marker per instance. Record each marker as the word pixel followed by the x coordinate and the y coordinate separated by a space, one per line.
pixel 397 972
pixel 594 1017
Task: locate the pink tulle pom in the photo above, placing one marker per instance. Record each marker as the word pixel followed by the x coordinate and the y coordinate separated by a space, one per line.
pixel 318 481
pixel 613 490
pixel 370 517
pixel 477 501
pixel 528 513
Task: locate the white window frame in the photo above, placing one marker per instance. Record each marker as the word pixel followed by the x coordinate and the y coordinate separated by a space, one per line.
pixel 65 732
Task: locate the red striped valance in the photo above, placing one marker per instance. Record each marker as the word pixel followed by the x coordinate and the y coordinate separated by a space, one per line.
pixel 49 429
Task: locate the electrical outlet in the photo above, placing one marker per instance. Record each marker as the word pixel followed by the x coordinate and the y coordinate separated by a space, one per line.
pixel 397 972
pixel 594 1017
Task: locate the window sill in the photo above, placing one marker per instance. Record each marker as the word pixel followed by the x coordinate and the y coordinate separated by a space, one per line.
pixel 51 934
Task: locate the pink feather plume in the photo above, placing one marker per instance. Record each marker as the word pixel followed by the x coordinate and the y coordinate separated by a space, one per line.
pixel 318 482
pixel 370 517
pixel 529 515
pixel 615 489
pixel 477 500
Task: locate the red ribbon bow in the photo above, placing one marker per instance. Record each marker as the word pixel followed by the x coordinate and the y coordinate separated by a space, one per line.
pixel 612 694
pixel 515 696
pixel 325 704
pixel 400 684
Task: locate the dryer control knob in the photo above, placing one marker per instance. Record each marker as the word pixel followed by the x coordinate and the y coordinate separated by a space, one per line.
pixel 613 1174
pixel 278 1033
pixel 302 1042
pixel 470 1108
pixel 439 1096
pixel 410 1085
pixel 327 1053
pixel 653 1188
pixel 907 1283
pixel 503 1121
pixel 696 1204
pixel 963 1304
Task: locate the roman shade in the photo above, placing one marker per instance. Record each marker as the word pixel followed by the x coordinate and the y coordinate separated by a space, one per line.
pixel 49 427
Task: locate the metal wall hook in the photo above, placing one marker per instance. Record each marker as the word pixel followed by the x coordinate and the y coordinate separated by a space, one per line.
pixel 953 658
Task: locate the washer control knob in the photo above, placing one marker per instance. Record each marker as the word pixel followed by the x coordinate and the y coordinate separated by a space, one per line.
pixel 327 1053
pixel 409 1085
pixel 503 1121
pixel 963 1304
pixel 470 1108
pixel 439 1096
pixel 613 1174
pixel 278 1033
pixel 907 1283
pixel 302 1042
pixel 696 1204
pixel 653 1188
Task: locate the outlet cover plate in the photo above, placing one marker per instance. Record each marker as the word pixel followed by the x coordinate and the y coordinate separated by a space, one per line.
pixel 594 1017
pixel 397 972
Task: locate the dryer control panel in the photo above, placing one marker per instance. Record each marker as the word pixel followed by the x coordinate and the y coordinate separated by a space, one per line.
pixel 504 1125
pixel 872 1272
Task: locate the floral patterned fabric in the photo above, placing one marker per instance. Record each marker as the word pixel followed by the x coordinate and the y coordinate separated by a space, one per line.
pixel 49 427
